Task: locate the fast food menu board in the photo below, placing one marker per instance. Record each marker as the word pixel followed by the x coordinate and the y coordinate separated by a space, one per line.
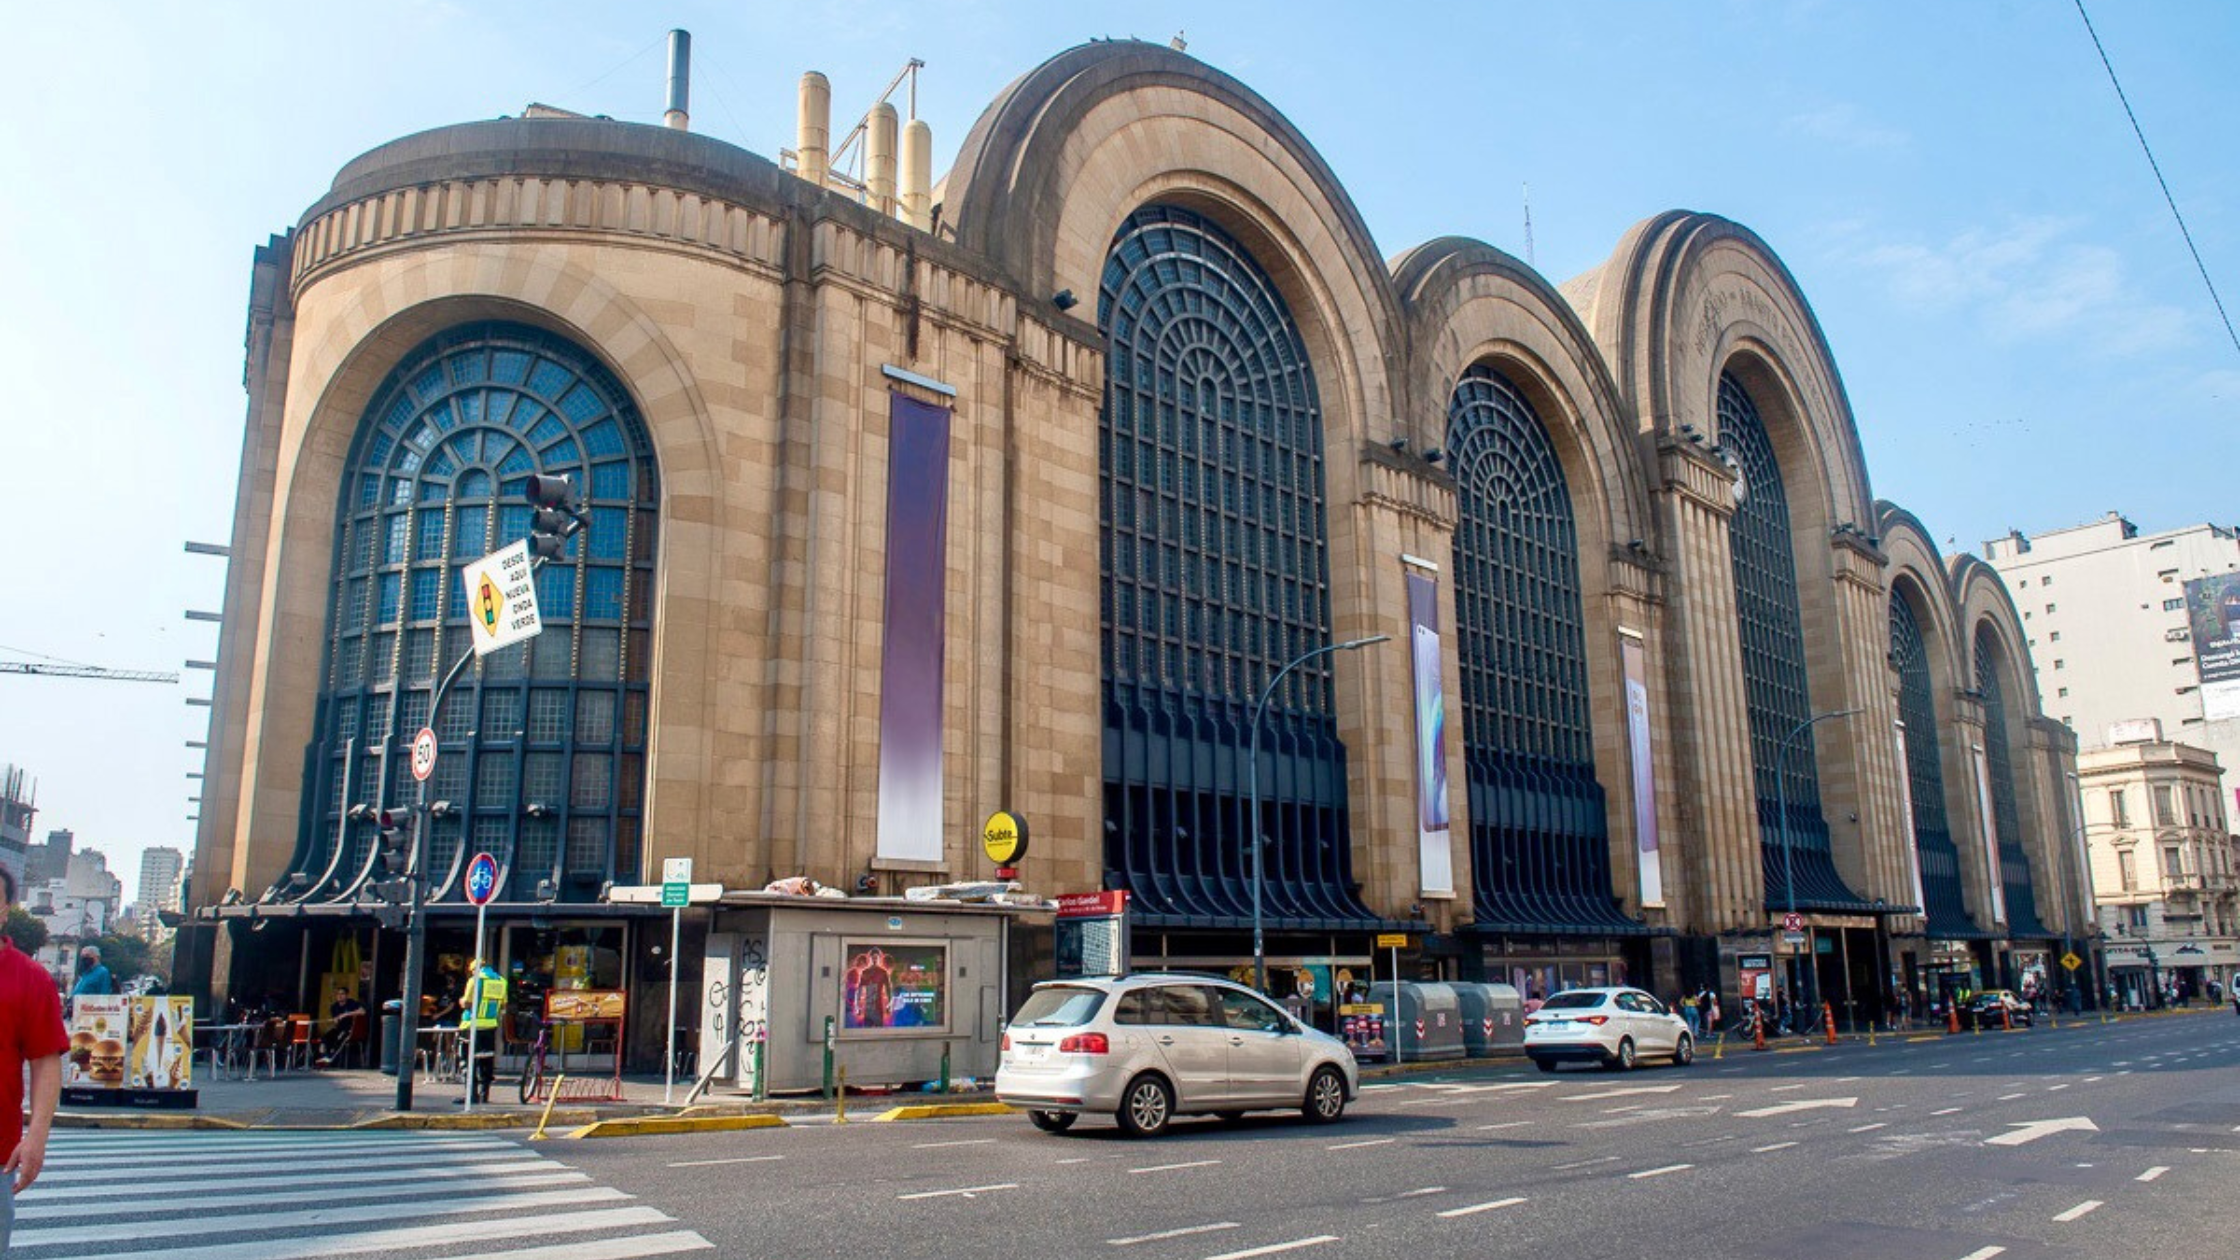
pixel 131 1043
pixel 100 1033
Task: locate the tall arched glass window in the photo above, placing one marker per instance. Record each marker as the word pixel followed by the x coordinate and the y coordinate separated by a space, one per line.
pixel 1998 753
pixel 543 744
pixel 1946 910
pixel 1773 669
pixel 1214 577
pixel 1539 831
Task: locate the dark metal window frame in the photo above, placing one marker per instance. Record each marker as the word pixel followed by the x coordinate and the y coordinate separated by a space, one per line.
pixel 1215 574
pixel 1539 824
pixel 1998 754
pixel 435 479
pixel 1946 914
pixel 1776 689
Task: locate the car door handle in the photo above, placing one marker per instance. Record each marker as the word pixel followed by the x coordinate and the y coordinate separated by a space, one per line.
pixel 1166 1041
pixel 1236 1041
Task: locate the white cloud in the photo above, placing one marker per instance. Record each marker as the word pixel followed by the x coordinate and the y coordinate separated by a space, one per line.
pixel 1843 124
pixel 2030 280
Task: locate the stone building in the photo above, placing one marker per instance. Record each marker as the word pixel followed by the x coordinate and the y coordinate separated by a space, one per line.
pixel 2165 868
pixel 1019 504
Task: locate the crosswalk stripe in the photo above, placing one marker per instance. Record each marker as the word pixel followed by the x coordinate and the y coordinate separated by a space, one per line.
pixel 185 1168
pixel 667 1244
pixel 402 1239
pixel 112 1157
pixel 250 1222
pixel 139 1204
pixel 113 1189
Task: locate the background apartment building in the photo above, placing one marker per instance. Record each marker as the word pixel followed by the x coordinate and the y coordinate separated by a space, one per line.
pixel 2105 611
pixel 2165 874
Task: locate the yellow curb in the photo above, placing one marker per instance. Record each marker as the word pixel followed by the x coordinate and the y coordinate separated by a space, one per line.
pixel 85 1120
pixel 650 1125
pixel 466 1123
pixel 1912 1041
pixel 936 1111
pixel 1800 1050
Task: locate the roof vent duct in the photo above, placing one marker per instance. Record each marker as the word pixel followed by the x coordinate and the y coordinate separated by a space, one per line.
pixel 680 81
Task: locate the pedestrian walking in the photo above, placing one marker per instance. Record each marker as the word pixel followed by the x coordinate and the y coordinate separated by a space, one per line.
pixel 31 1037
pixel 1690 1012
pixel 1711 1010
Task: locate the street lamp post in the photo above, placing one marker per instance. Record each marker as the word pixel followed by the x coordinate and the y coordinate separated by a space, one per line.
pixel 1781 803
pixel 1252 822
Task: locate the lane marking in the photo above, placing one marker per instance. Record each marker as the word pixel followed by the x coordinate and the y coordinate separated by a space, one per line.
pixel 1276 1248
pixel 2153 1174
pixel 929 1146
pixel 114 1189
pixel 1476 1208
pixel 326 1195
pixel 2008 1097
pixel 405 1239
pixel 1506 1124
pixel 1868 1128
pixel 1417 1194
pixel 1355 1146
pixel 1716 1097
pixel 2079 1210
pixel 131 1231
pixel 1078 1159
pixel 1947 1111
pixel 710 1163
pixel 1658 1172
pixel 966 1191
pixel 2055 1089
pixel 1195 1163
pixel 1585 1163
pixel 1183 1232
pixel 1784 1088
pixel 1768 1150
pixel 1984 1253
pixel 667 1244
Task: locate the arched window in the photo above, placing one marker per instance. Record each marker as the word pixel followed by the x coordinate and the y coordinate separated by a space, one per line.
pixel 1998 753
pixel 543 745
pixel 1773 670
pixel 1539 833
pixel 1947 909
pixel 1214 578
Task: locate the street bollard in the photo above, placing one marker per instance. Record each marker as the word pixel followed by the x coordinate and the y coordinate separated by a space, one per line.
pixel 840 1098
pixel 944 1067
pixel 549 1099
pixel 1828 1015
pixel 762 1068
pixel 1719 1047
pixel 1758 1029
pixel 828 1056
pixel 1870 1035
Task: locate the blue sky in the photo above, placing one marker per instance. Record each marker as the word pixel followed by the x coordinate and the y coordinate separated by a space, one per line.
pixel 2025 340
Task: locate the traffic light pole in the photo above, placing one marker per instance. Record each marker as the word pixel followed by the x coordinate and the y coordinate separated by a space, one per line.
pixel 416 923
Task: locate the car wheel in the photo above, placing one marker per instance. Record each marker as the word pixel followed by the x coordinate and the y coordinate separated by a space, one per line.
pixel 1326 1096
pixel 1684 1051
pixel 1626 1060
pixel 1146 1108
pixel 1545 1065
pixel 1052 1121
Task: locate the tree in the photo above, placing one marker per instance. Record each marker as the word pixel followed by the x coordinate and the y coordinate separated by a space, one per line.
pixel 27 930
pixel 126 957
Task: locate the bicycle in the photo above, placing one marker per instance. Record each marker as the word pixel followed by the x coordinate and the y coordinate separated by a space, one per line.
pixel 533 1063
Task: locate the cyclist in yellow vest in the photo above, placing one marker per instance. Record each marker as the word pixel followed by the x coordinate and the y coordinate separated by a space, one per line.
pixel 481 1008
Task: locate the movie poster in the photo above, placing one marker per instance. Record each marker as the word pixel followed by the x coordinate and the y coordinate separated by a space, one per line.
pixel 894 986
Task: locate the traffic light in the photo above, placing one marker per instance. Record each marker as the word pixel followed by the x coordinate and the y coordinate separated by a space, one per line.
pixel 396 843
pixel 559 515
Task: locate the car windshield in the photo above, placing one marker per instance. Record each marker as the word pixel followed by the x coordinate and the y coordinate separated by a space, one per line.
pixel 1060 1007
pixel 1573 1001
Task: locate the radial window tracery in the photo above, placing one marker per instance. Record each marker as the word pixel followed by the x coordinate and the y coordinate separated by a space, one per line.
pixel 1946 910
pixel 1998 752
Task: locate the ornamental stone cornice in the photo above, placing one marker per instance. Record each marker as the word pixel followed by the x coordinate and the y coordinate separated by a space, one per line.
pixel 1408 485
pixel 1694 473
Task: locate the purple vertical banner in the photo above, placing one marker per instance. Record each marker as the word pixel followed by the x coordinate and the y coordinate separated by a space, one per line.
pixel 1635 662
pixel 1434 845
pixel 1905 808
pixel 910 664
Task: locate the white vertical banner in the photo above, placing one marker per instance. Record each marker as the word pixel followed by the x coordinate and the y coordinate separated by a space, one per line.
pixel 1990 836
pixel 1905 811
pixel 1434 836
pixel 1643 764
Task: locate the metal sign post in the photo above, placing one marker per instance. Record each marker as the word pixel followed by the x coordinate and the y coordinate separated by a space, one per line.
pixel 482 885
pixel 676 891
pixel 1393 941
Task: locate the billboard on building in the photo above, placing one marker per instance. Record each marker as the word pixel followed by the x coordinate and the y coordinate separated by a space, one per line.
pixel 2213 607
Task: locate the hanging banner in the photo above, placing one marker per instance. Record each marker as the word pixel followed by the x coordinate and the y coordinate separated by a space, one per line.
pixel 1905 811
pixel 1635 662
pixel 1433 841
pixel 2213 609
pixel 911 660
pixel 1990 837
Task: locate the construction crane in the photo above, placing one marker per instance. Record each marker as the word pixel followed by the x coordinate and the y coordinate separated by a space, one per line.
pixel 87 671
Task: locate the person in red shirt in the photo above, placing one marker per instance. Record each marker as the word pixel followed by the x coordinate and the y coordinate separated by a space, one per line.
pixel 30 1034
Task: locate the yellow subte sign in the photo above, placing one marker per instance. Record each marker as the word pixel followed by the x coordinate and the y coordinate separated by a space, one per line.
pixel 1004 838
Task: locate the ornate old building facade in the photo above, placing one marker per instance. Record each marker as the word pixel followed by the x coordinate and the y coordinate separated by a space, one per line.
pixel 892 526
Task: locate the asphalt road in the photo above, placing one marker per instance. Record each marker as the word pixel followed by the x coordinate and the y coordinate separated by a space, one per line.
pixel 2086 1141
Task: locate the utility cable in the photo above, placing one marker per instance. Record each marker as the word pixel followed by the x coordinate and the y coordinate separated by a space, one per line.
pixel 2165 184
pixel 617 68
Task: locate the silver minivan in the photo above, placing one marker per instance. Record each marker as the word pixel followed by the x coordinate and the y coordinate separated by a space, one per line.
pixel 1145 1049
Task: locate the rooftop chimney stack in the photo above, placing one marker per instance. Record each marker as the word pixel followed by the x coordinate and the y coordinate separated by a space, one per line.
pixel 813 142
pixel 917 174
pixel 878 159
pixel 680 80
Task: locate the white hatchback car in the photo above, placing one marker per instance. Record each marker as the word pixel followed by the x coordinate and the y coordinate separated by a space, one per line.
pixel 1148 1048
pixel 1613 1027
